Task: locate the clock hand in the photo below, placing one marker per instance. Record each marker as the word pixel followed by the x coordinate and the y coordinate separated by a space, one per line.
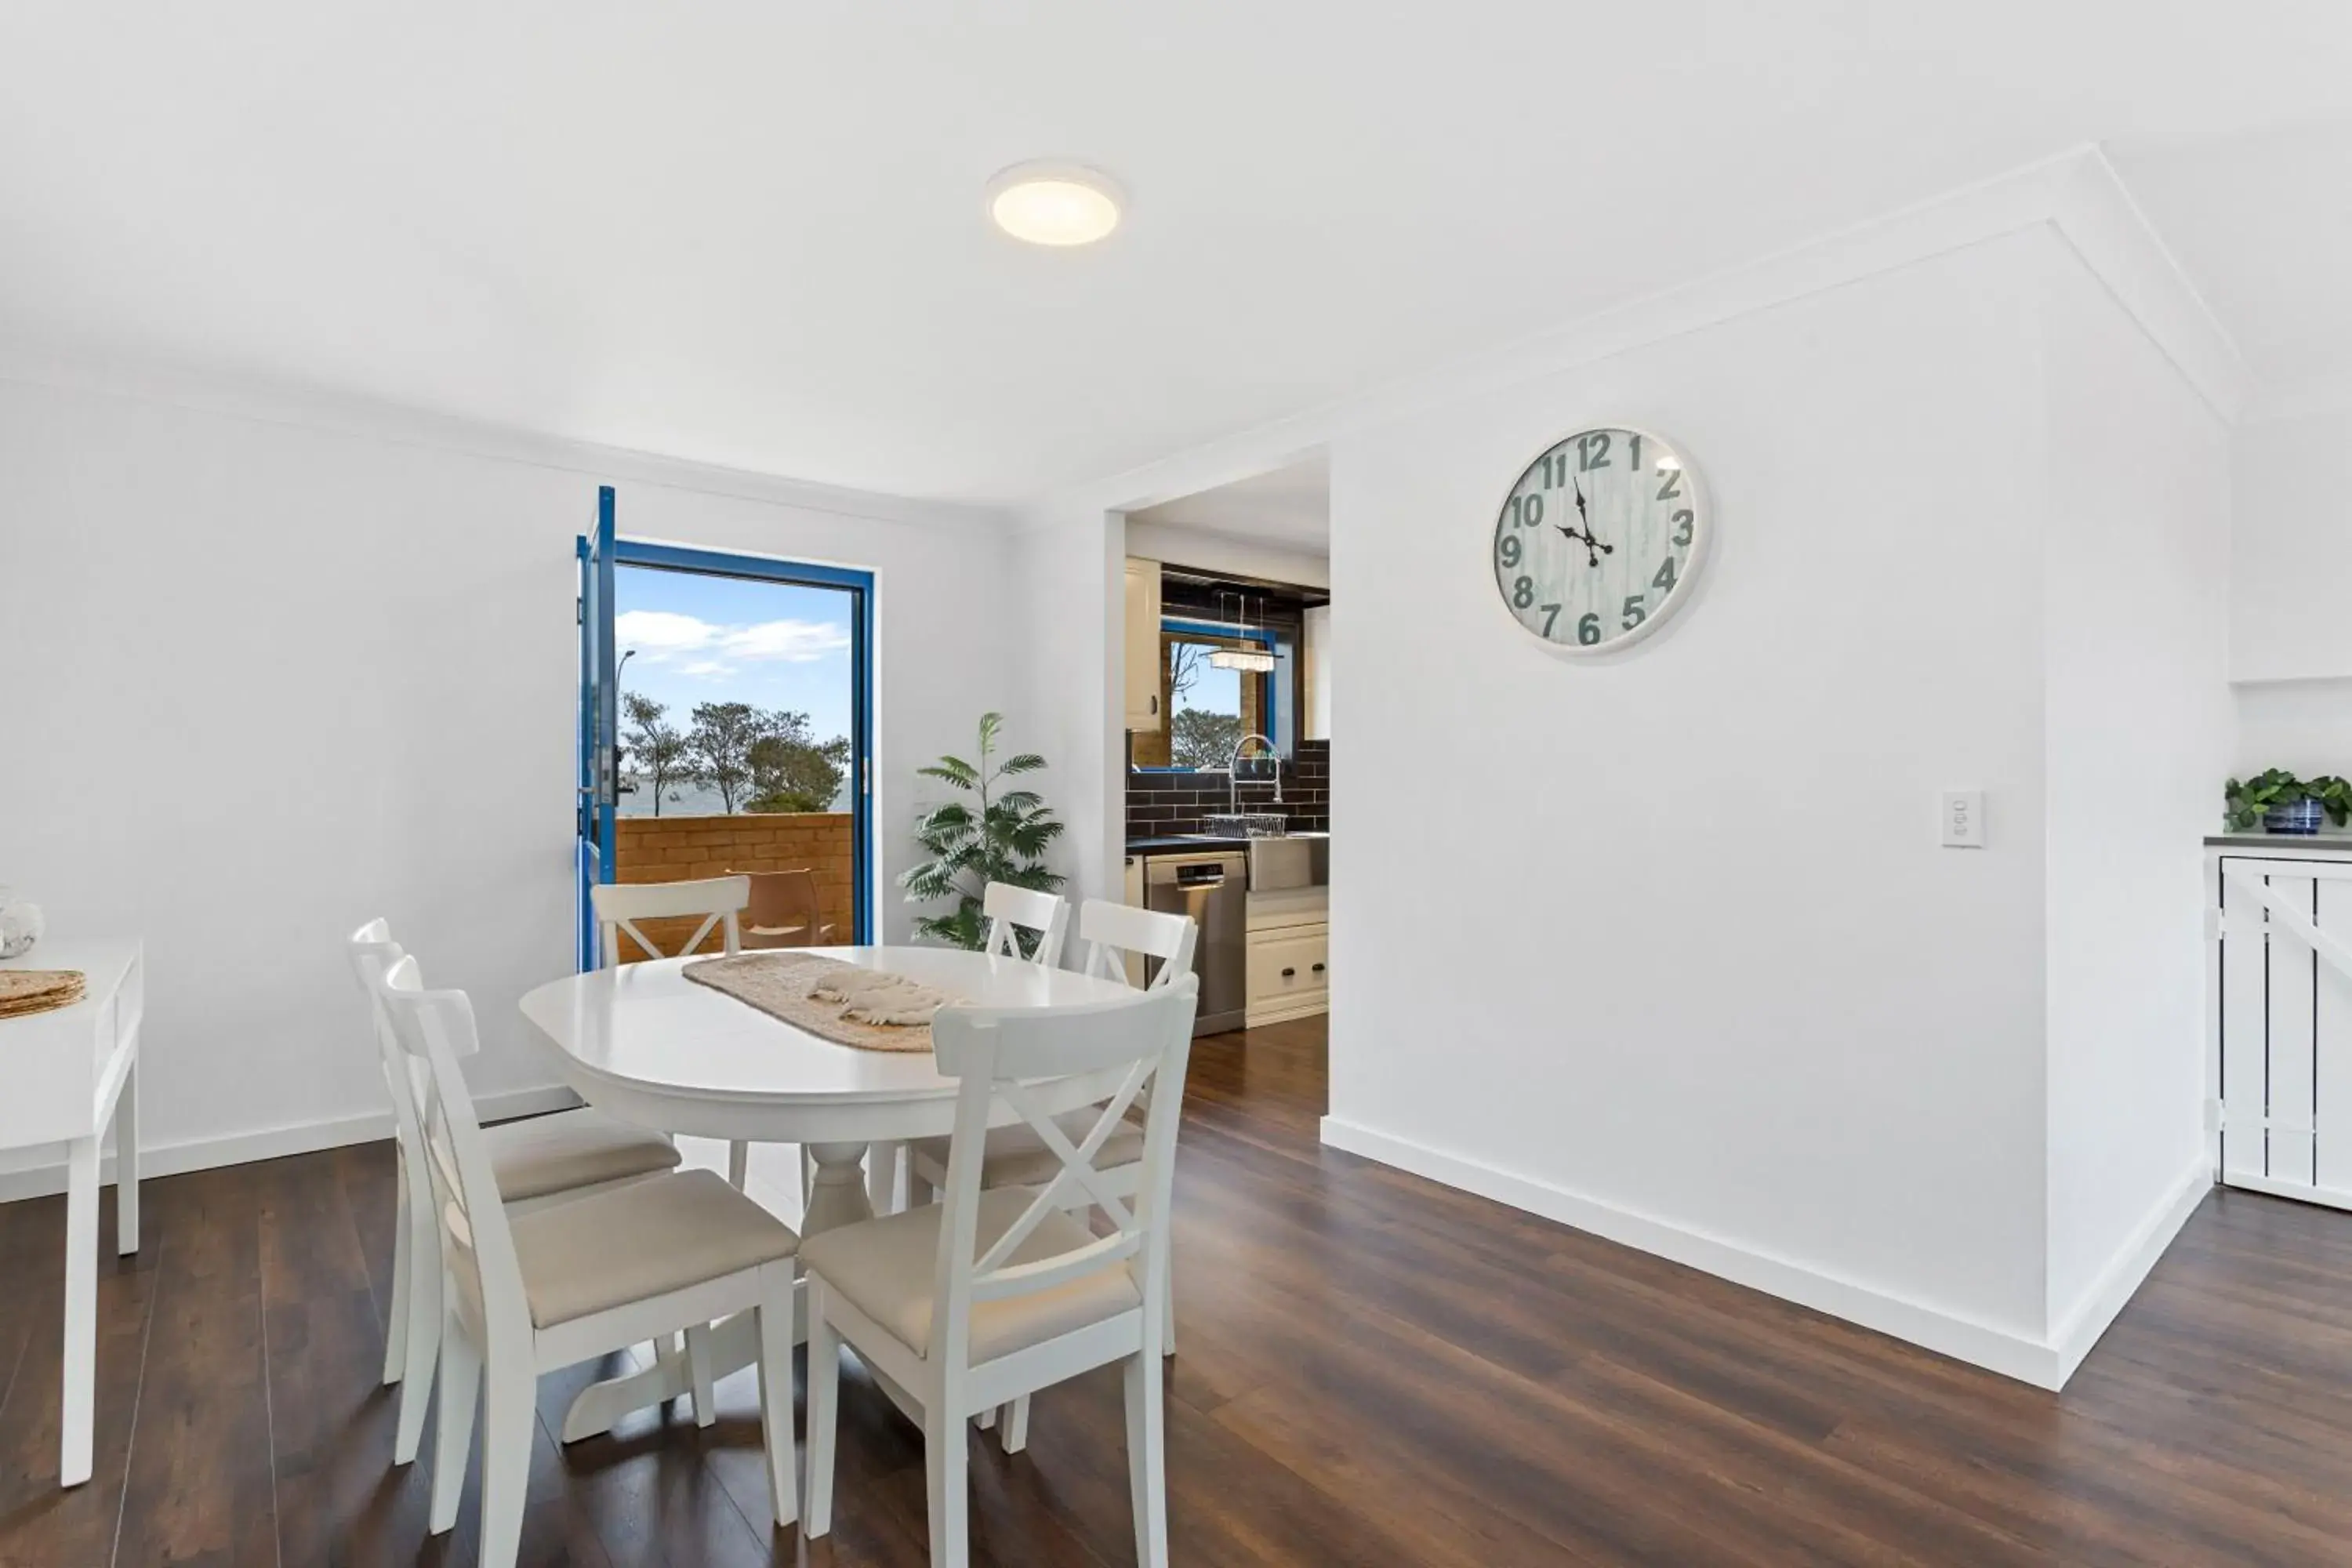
pixel 1593 548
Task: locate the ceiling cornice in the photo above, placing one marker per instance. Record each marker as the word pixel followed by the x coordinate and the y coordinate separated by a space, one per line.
pixel 340 414
pixel 2076 192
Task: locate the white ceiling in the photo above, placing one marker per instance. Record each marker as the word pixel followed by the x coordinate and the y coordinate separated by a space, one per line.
pixel 752 234
pixel 1289 507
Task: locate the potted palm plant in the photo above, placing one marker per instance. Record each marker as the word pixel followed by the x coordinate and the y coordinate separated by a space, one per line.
pixel 998 836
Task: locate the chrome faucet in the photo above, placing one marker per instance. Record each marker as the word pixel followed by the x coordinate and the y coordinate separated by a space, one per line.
pixel 1234 772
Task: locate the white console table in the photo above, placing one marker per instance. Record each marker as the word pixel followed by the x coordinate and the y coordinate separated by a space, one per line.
pixel 67 1075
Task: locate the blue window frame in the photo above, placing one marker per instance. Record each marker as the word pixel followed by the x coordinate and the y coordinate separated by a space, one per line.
pixel 860 588
pixel 1267 710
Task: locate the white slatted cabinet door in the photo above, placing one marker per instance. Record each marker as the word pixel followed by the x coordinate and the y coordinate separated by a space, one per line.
pixel 2244 975
pixel 2293 980
pixel 2332 1041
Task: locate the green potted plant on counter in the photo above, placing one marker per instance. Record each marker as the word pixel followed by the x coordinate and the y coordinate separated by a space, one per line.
pixel 996 837
pixel 2278 801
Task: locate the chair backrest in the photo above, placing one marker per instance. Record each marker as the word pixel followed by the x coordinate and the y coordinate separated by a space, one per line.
pixel 620 904
pixel 372 950
pixel 999 1054
pixel 432 1029
pixel 784 899
pixel 1111 931
pixel 1005 905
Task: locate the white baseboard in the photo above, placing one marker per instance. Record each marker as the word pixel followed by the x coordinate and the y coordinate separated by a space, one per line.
pixel 2012 1354
pixel 2123 1275
pixel 271 1143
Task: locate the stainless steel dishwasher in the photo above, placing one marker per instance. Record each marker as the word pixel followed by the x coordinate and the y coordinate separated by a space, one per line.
pixel 1213 887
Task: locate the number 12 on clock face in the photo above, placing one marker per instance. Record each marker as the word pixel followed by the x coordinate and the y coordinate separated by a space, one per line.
pixel 1599 539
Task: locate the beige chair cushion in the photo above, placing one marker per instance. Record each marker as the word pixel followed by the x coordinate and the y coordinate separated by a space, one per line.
pixel 885 1267
pixel 543 1154
pixel 1017 1157
pixel 637 1242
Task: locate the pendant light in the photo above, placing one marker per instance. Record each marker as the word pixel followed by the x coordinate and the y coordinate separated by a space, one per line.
pixel 1255 657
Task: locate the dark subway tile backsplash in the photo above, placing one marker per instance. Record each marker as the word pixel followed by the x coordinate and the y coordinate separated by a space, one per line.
pixel 1158 804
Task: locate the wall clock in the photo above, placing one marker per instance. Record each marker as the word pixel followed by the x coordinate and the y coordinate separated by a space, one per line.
pixel 1601 540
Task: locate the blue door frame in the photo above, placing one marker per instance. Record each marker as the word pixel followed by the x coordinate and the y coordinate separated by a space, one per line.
pixel 599 771
pixel 859 585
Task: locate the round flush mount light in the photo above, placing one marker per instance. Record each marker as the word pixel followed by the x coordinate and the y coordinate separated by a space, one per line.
pixel 1055 204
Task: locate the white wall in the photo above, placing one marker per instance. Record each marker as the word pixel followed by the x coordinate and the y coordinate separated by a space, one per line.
pixel 268 680
pixel 2303 726
pixel 2138 737
pixel 2291 548
pixel 1698 960
pixel 1067 617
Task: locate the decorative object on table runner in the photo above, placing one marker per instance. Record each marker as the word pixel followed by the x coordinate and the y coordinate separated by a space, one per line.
pixel 1003 839
pixel 847 1003
pixel 25 992
pixel 20 925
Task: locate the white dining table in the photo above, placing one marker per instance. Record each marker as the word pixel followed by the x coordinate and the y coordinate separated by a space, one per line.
pixel 648 1045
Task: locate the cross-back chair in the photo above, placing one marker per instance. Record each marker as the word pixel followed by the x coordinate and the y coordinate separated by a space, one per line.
pixel 1017 1157
pixel 1004 907
pixel 990 1294
pixel 720 900
pixel 533 1292
pixel 537 1162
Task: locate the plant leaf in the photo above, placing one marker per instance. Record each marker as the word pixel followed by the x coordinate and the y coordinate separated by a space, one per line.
pixel 954 770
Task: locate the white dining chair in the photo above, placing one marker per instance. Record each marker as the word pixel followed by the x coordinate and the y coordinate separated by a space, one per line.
pixel 620 905
pixel 1017 1157
pixel 528 1294
pixel 984 1297
pixel 720 900
pixel 1004 907
pixel 536 1161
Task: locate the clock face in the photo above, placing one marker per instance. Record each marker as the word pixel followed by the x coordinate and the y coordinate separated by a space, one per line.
pixel 1599 541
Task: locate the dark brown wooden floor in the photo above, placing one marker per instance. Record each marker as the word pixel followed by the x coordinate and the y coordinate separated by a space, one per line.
pixel 1374 1370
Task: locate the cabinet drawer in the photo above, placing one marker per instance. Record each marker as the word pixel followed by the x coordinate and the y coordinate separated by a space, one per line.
pixel 1290 962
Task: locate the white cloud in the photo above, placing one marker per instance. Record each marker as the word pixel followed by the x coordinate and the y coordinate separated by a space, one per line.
pixel 656 634
pixel 662 636
pixel 795 642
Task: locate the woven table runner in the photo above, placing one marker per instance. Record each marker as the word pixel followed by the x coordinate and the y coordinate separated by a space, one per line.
pixel 783 985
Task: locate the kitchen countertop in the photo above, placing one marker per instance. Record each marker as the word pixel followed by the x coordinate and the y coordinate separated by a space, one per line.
pixel 1187 844
pixel 2336 838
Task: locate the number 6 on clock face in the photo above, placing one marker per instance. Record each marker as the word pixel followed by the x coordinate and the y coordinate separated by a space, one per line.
pixel 1600 540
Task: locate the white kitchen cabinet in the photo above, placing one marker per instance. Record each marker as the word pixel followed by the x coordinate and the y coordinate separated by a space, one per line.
pixel 1143 645
pixel 2281 996
pixel 1317 640
pixel 1289 957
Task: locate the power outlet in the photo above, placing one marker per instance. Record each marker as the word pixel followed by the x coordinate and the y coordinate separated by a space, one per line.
pixel 1963 819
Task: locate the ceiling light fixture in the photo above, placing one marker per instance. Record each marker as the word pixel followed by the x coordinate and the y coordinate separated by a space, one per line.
pixel 1255 657
pixel 1055 204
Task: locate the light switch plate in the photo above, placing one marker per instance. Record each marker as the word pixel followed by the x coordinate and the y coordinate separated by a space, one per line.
pixel 1963 819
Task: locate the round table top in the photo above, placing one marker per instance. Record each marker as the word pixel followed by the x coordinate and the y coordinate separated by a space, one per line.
pixel 645 1031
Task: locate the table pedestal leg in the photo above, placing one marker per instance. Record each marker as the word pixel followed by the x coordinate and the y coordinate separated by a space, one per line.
pixel 838 1196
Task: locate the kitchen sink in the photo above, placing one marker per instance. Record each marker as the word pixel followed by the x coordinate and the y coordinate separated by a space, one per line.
pixel 1292 860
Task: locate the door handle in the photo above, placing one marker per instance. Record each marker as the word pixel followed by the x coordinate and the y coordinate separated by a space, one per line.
pixel 1155 704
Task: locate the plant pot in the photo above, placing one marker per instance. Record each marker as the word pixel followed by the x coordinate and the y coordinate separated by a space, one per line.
pixel 2301 817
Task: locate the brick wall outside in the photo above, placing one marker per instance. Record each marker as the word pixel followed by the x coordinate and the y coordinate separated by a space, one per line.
pixel 683 849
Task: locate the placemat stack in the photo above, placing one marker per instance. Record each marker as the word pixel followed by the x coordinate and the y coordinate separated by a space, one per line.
pixel 25 992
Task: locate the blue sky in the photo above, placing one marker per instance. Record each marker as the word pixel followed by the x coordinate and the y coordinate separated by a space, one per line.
pixel 701 638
